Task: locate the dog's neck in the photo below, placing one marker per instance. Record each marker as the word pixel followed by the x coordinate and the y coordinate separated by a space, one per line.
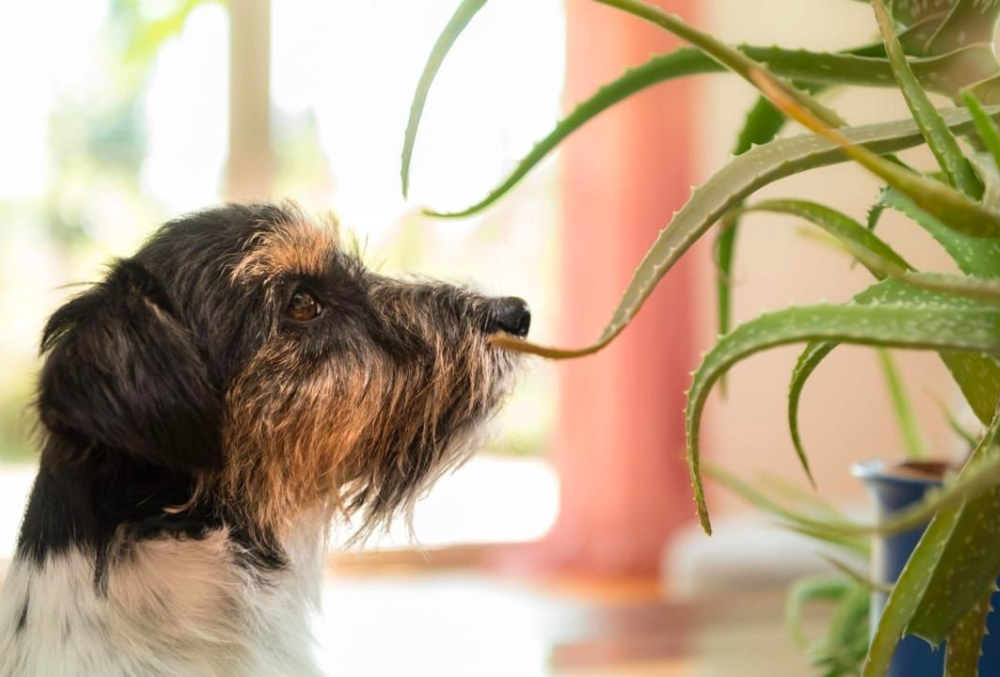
pixel 154 594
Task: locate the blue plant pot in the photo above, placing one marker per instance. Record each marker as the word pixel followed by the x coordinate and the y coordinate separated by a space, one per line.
pixel 895 488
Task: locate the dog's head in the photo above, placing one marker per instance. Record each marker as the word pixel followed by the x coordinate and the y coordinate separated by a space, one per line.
pixel 246 350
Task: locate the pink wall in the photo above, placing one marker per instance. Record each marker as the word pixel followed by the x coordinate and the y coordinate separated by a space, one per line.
pixel 619 443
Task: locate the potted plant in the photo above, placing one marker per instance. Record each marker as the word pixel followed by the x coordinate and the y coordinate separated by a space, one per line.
pixel 944 46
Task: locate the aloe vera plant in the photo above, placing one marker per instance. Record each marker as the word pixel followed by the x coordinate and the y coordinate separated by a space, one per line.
pixel 941 46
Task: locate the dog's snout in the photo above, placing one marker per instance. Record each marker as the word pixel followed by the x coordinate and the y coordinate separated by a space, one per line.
pixel 510 314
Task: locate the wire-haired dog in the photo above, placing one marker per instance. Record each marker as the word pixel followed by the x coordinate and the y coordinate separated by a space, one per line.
pixel 206 411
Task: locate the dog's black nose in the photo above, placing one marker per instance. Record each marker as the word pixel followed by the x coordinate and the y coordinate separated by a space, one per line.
pixel 510 314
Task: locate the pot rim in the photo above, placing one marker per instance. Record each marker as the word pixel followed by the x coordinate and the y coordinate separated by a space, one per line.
pixel 877 470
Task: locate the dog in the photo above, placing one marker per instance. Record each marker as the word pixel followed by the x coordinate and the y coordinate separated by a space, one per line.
pixel 206 411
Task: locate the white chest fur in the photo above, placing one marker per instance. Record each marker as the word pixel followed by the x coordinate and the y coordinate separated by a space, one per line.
pixel 171 608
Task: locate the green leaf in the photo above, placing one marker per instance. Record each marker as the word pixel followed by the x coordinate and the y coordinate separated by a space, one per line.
pixel 920 577
pixel 956 426
pixel 985 127
pixel 966 640
pixel 977 376
pixel 989 174
pixel 459 20
pixel 981 480
pixel 856 544
pixel 909 12
pixel 752 495
pixel 945 74
pixel 805 500
pixel 846 640
pixel 734 60
pixel 739 179
pixel 952 207
pixel 969 22
pixel 912 319
pixel 829 68
pixel 762 124
pixel 848 232
pixel 857 576
pixel 857 239
pixel 939 138
pixel 987 90
pixel 974 256
pixel 961 573
pixel 987 291
pixel 684 61
pixel 810 589
pixel 810 358
pixel 916 444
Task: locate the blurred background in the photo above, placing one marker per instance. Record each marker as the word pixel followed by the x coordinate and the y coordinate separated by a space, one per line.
pixel 567 546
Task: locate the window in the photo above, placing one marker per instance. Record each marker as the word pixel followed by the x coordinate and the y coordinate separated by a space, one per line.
pixel 119 119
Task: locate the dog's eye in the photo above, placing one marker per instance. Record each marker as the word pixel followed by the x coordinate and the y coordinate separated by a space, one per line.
pixel 303 306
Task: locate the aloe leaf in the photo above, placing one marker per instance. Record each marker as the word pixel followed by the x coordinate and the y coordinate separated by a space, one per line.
pixel 846 639
pixel 956 426
pixel 968 22
pixel 966 640
pixel 762 124
pixel 917 578
pixel 459 20
pixel 952 207
pixel 939 138
pixel 946 73
pixel 986 90
pixel 916 443
pixel 989 174
pixel 979 257
pixel 856 576
pixel 983 290
pixel 810 358
pixel 803 498
pixel 909 12
pixel 847 231
pixel 857 238
pixel 661 68
pixel 977 376
pixel 753 496
pixel 961 573
pixel 839 539
pixel 810 589
pixel 985 127
pixel 740 178
pixel 730 57
pixel 826 68
pixel 679 63
pixel 971 485
pixel 916 319
pixel 833 530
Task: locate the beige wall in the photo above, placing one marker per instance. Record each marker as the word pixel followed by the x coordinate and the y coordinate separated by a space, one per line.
pixel 845 413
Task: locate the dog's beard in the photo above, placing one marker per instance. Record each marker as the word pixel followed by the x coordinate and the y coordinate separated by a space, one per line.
pixel 363 434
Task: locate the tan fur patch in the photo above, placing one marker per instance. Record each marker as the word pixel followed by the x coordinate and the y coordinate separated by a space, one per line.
pixel 298 246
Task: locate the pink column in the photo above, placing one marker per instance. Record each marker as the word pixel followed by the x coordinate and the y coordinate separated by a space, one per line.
pixel 619 444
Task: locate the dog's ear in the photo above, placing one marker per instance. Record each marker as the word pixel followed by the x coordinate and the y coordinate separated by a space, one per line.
pixel 122 373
